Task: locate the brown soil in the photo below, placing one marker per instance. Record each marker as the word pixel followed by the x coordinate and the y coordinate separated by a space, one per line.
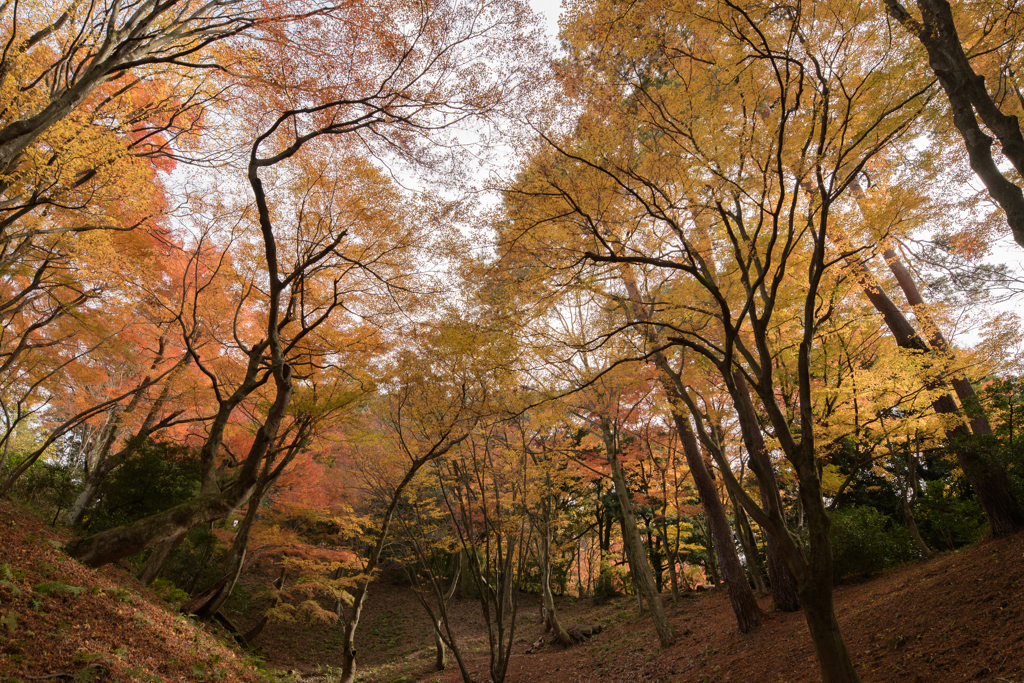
pixel 61 621
pixel 957 617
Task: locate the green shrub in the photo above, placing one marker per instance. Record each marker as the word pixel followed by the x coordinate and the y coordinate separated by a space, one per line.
pixel 865 541
pixel 159 476
pixel 948 521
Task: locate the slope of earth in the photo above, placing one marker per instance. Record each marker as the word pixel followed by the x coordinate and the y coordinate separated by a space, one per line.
pixel 60 620
pixel 957 617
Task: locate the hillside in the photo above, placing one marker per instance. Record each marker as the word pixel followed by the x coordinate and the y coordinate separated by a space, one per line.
pixel 60 620
pixel 957 617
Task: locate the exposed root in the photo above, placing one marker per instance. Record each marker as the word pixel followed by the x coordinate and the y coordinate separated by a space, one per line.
pixel 578 634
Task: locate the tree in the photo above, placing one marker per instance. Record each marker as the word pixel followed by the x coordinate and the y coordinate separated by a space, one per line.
pixel 409 86
pixel 438 395
pixel 969 98
pixel 691 158
pixel 484 490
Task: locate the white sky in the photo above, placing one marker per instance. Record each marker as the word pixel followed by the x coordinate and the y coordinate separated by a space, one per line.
pixel 550 9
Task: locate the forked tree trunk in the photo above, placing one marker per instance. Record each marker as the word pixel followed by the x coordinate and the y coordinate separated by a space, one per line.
pixel 551 622
pixel 671 556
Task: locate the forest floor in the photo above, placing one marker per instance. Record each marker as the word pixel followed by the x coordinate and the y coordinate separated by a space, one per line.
pixel 957 617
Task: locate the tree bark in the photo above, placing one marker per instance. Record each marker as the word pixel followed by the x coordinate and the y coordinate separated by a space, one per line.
pixel 643 574
pixel 987 475
pixel 744 605
pixel 967 94
pixel 783 584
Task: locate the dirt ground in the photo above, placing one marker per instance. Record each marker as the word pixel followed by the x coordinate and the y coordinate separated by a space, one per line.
pixel 62 621
pixel 957 617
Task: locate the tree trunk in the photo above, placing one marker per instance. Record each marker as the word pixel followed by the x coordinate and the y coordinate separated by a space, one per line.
pixel 114 544
pixel 744 605
pixel 967 94
pixel 987 475
pixel 748 613
pixel 348 651
pixel 644 575
pixel 551 622
pixel 441 662
pixel 158 558
pixel 711 565
pixel 210 505
pixel 746 536
pixel 604 588
pixel 101 463
pixel 833 657
pixel 235 559
pixel 783 583
pixel 671 557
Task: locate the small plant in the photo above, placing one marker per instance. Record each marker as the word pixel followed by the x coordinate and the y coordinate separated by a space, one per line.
pixel 121 595
pixel 58 587
pixel 169 593
pixel 10 622
pixel 8 576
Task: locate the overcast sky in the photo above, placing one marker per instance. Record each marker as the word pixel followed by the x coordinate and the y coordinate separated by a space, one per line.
pixel 550 9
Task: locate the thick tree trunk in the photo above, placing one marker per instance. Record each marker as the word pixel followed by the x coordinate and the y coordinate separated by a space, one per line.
pixel 83 500
pixel 119 542
pixel 711 564
pixel 744 605
pixel 987 475
pixel 967 94
pixel 833 657
pixel 158 558
pixel 643 574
